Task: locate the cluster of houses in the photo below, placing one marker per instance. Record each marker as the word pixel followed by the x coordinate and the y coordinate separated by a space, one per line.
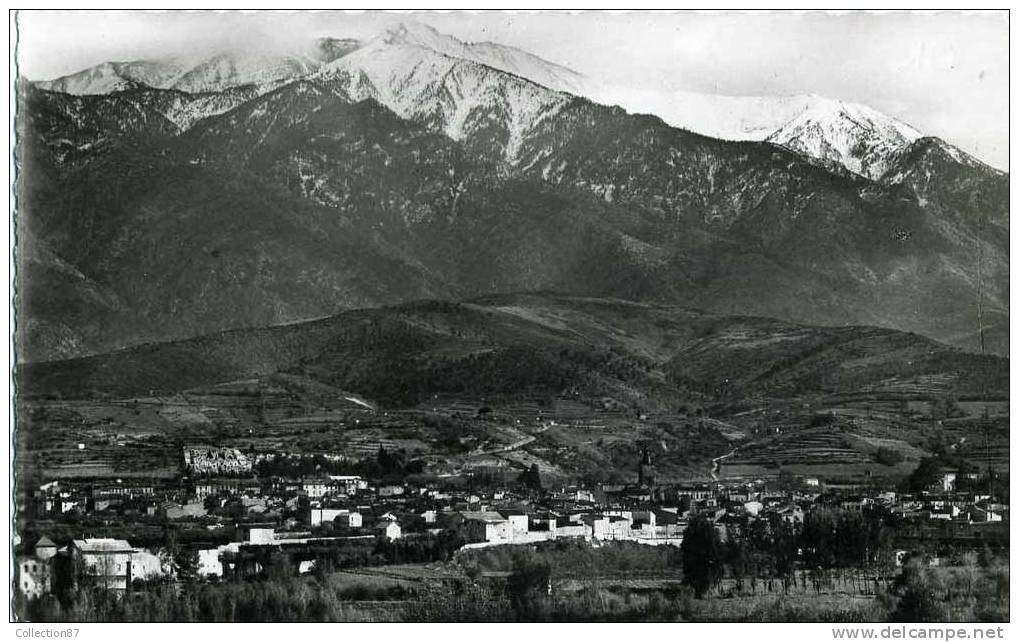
pixel 285 513
pixel 492 528
pixel 216 461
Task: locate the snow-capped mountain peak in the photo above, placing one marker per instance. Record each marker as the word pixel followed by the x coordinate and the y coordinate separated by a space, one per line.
pixel 200 73
pixel 849 135
pixel 421 35
pixel 838 134
pixel 497 56
pixel 105 78
pixel 433 77
pixel 454 94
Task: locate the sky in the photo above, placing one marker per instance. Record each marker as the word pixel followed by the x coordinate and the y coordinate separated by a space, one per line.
pixel 944 73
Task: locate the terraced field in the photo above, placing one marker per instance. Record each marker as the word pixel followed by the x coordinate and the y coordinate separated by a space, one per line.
pixel 574 385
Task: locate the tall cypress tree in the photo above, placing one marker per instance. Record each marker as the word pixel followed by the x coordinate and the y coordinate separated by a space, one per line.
pixel 702 555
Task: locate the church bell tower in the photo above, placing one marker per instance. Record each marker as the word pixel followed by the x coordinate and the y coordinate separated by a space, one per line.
pixel 646 476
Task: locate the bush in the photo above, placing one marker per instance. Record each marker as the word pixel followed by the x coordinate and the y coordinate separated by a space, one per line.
pixel 822 419
pixel 918 601
pixel 887 456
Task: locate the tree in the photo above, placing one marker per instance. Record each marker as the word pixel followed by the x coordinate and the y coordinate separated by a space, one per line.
pixel 737 555
pixel 531 478
pixel 528 583
pixel 212 503
pixel 918 602
pixel 183 560
pixel 944 407
pixel 702 555
pixel 185 565
pixel 887 456
pixel 787 481
pixel 925 475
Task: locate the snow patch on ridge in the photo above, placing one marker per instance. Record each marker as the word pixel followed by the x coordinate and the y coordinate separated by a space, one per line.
pixel 451 94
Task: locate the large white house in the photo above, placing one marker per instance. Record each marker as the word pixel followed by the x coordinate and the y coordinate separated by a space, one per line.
pixel 339 516
pixel 107 560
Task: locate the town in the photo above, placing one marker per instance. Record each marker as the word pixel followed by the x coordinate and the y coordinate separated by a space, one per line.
pixel 232 516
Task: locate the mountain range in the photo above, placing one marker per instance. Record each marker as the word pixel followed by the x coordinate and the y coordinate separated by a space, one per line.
pixel 845 135
pixel 165 199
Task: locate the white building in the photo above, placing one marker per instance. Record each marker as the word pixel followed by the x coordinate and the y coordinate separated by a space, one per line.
pixel 210 562
pixel 486 526
pixel 347 484
pixel 609 527
pixel 753 507
pixel 315 487
pixel 579 531
pixel 388 530
pixel 518 524
pixel 948 482
pixel 257 534
pixel 34 572
pixel 33 576
pixel 339 516
pixel 107 560
pixel 146 565
pixel 980 514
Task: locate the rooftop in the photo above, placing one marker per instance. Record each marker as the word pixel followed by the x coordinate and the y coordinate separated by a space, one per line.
pixel 102 545
pixel 488 516
pixel 45 542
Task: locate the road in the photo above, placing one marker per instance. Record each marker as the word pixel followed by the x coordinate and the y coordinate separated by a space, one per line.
pixel 716 460
pixel 520 443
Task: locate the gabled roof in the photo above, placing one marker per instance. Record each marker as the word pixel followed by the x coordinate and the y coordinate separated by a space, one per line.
pixel 488 516
pixel 45 542
pixel 103 545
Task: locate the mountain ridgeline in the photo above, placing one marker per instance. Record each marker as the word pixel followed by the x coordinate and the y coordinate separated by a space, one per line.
pixel 172 203
pixel 649 357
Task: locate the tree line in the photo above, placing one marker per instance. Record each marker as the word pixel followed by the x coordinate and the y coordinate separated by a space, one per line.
pixel 773 549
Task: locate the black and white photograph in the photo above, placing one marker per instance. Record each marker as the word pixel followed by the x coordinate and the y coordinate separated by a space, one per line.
pixel 510 317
